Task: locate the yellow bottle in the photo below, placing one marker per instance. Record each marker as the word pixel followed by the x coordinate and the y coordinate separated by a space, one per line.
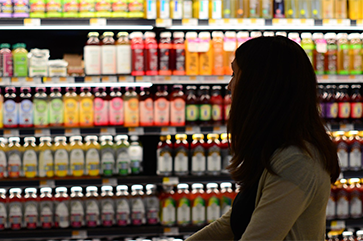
pixel 229 47
pixel 46 165
pixel 201 9
pixel 71 108
pixel 30 159
pixel 86 108
pixel 340 9
pixel 131 108
pixel 355 9
pixel 176 9
pixel 328 9
pixel 14 152
pixel 76 156
pixel 61 156
pixel 205 54
pixel 92 150
pixel 266 8
pixel 191 53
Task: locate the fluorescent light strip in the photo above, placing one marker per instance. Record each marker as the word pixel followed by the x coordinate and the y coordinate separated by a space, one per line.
pixel 107 84
pixel 78 27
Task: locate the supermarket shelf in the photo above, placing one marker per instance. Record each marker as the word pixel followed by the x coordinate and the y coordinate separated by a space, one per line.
pixel 353 174
pixel 339 224
pixel 327 79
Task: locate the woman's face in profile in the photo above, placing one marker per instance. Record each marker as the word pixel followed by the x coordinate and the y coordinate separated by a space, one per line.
pixel 235 75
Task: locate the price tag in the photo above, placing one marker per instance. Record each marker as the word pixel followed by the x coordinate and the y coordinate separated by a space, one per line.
pixel 92 79
pixel 5 80
pixel 57 80
pixel 220 129
pixel 346 127
pixel 192 130
pixel 14 80
pixel 334 22
pixel 98 22
pixel 81 234
pixel 190 22
pixel 108 131
pixel 47 183
pixel 167 78
pixel 136 131
pixel 305 22
pixel 42 132
pixel 360 22
pixel 72 132
pixel 139 78
pixel 279 21
pixel 193 77
pixel 32 22
pixel 164 23
pixel 171 231
pixel 11 133
pixel 337 225
pixel 170 181
pixel 109 182
pixel 168 130
pixel 126 79
pixel 226 21
pixel 109 79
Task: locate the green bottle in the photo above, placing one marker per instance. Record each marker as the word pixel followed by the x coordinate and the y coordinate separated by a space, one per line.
pixel 122 155
pixel 107 156
pixel 20 59
pixel 41 110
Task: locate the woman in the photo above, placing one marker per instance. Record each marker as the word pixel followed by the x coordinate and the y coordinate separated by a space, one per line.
pixel 282 156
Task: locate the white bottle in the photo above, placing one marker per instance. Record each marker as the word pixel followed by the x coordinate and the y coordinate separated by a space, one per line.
pixel 135 154
pixel 108 54
pixel 122 206
pixel 137 206
pixel 107 206
pixel 92 55
pixel 61 209
pixel 30 208
pixel 123 53
pixel 92 209
pixel 76 207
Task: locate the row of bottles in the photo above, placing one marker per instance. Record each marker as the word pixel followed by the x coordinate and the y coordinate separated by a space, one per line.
pixel 73 158
pixel 196 158
pixel 345 236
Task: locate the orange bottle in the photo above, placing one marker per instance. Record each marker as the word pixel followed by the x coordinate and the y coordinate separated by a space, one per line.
pixel 229 47
pixel 191 53
pixel 205 54
pixel 217 44
pixel 341 9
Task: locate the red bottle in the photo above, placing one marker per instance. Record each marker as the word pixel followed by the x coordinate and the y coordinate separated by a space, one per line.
pixel 165 47
pixel 356 106
pixel 116 107
pixel 10 108
pixel 101 107
pixel 217 106
pixel 31 202
pixel 137 52
pixel 331 105
pixel 178 54
pixel 25 108
pixel 15 208
pixel 162 107
pixel 146 107
pixel 191 106
pixel 177 106
pixel 46 210
pixel 342 149
pixel 205 106
pixel 151 54
pixel 343 104
pixel 3 210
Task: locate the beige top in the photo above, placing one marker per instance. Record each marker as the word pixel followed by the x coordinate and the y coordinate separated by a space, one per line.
pixel 290 206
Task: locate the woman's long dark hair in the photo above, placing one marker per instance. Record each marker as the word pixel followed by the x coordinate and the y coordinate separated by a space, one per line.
pixel 274 105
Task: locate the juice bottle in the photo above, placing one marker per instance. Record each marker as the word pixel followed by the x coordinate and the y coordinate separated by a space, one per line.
pixel 20 60
pixel 178 54
pixel 10 112
pixel 355 151
pixel 15 209
pixel 319 52
pixel 107 156
pixel 176 9
pixel 340 9
pixel 201 9
pixel 205 106
pixel 122 206
pixel 279 9
pixel 41 110
pixel 225 152
pixel 71 108
pixel 284 34
pixel 257 34
pixel 87 9
pixel 217 45
pixel 215 9
pixel 61 156
pixel 45 166
pixel 71 8
pixel 217 105
pixel 151 54
pixel 31 202
pixel 205 54
pixel 46 210
pixel 76 156
pixel 150 9
pixel 304 9
pixel 192 106
pixel 254 8
pixel 123 53
pixel 137 53
pixel 342 197
pixel 61 210
pixel 92 55
pixel 214 162
pixel 165 47
pixel 342 146
pixel 1 110
pixel 308 45
pixel 3 209
pixel 331 54
pixel 242 37
pixel 213 202
pixel 181 155
pixel 101 107
pixel 355 204
pixel 343 103
pixel 188 9
pixel 122 155
pixel 151 205
pixel 30 158
pixel 226 197
pixel 291 8
pixel 137 206
pixel 163 9
pixel 177 106
pixel 92 210
pixel 131 107
pixel 229 9
pixel 92 154
pixel 3 160
pixel 198 204
pixel 229 48
pixel 192 55
pixel 6 61
pixel 25 108
pixel 331 106
pixel 146 107
pixel 86 107
pixel 355 9
pixel 242 8
pixel 317 9
pixel 355 53
pixel 198 153
pixel 168 208
pixel 183 205
pixel 331 206
pixel 107 206
pixel 76 209
pixel 328 9
pixel 136 155
pixel 116 107
pixel 108 54
pixel 356 106
pixel 162 107
pixel 321 97
pixel 266 8
pixel 295 37
pixel 164 156
pixel 14 157
pixel 56 107
pixel 343 54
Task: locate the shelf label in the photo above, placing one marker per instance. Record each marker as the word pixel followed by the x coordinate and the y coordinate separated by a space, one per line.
pixel 253 21
pixel 190 22
pixel 337 225
pixel 92 79
pixel 163 23
pixel 168 130
pixel 192 130
pixel 81 234
pixel 346 127
pixel 11 133
pixel 47 183
pixel 109 181
pixel 109 79
pixel 220 129
pixel 108 131
pixel 42 132
pixel 360 22
pixel 59 80
pixel 170 181
pixel 31 22
pixel 334 22
pixel 5 80
pixel 98 22
pixel 125 79
pixel 72 131
pixel 171 231
pixel 136 131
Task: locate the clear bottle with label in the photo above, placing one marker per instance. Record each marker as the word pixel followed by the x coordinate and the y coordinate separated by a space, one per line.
pixel 164 156
pixel 76 156
pixel 355 53
pixel 122 206
pixel 205 106
pixel 343 54
pixel 11 108
pixel 342 148
pixel 6 60
pixel 131 107
pixel 225 152
pixel 187 9
pixel 30 158
pixel 331 53
pixel 355 151
pixel 183 205
pixel 61 208
pixel 56 107
pixel 108 54
pixel 137 206
pixel 101 107
pixel 341 9
pixel 177 106
pixel 92 55
pixel 226 197
pixel 76 208
pixel 308 45
pixel 213 202
pixel 107 207
pixel 168 207
pixel 3 209
pixel 14 154
pixel 41 110
pixel 3 159
pixel 205 53
pixel 176 9
pixel 123 53
pixel 342 200
pixel 198 154
pixel 136 155
pixel 20 60
pixel 86 107
pixel 92 156
pixel 71 108
pixel 319 53
pixel 61 156
pixel 331 104
pixel 46 209
pixel 181 155
pixel 201 9
pixel 163 9
pixel 116 107
pixel 198 204
pixel 146 107
pixel 92 210
pixel 122 155
pixel 25 108
pixel 151 205
pixel 215 9
pixel 355 199
pixel 31 214
pixel 107 156
pixel 214 162
pixel 15 209
pixel 162 107
pixel 150 9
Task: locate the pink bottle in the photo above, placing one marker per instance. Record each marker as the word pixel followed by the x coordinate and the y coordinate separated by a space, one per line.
pixel 116 107
pixel 101 107
pixel 6 61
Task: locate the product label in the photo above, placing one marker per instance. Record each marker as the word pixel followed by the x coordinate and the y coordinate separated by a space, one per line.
pixel 108 162
pixel 123 212
pixel 319 63
pixel 77 214
pixel 46 214
pixel 3 216
pixel 342 205
pixel 152 56
pixel 70 8
pixel 6 8
pixel 132 112
pixel 92 213
pixel 177 9
pixel 14 163
pixel 92 162
pixel 177 112
pixel 41 113
pixel 214 159
pixel 54 8
pixel 136 9
pixel 26 113
pixel 161 111
pixel 332 110
pixel 147 112
pixel 183 211
pixel 21 8
pixel 205 112
pixel 226 204
pixel 217 112
pixel 168 212
pixel 213 209
pixel 198 160
pixel 356 110
pixel 116 111
pixel 355 156
pixel 71 112
pixel 165 161
pixel 92 60
pixel 56 112
pixel 20 64
pixel 164 11
pixel 86 112
pixel 198 211
pixel 108 212
pixel 77 162
pixel 108 57
pixel 180 59
pixel 227 109
pixel 192 112
pixel 355 204
pixel 3 163
pixel 10 113
pixel 152 210
pixel 343 155
pixel 138 60
pixel 31 214
pixel 217 9
pixel 61 162
pixel 7 58
pixel 181 161
pixel 103 8
pixel 30 162
pixel 164 59
pixel 61 214
pixel 203 9
pixel 344 110
pixel 135 153
pixel 137 211
pixel 101 112
pixel 123 161
pixel 15 215
pixel 187 9
pixel 120 9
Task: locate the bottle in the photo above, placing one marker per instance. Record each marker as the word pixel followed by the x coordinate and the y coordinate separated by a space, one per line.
pixel 162 107
pixel 178 53
pixel 122 155
pixel 151 205
pixel 137 53
pixel 192 106
pixel 321 97
pixel 150 9
pixel 3 163
pixel 61 156
pixel 343 103
pixel 217 105
pixel 30 158
pixel 218 54
pixel 107 156
pixel 10 112
pixel 71 108
pixel 342 198
pixel 266 8
pixel 1 110
pixel 226 155
pixel 317 9
pixel 229 48
pixel 92 210
pixel 356 106
pixel 183 205
pixel 215 9
pixel 165 47
pixel 177 106
pixel 56 107
pixel 151 54
pixel 122 206
pixel 284 34
pixel 123 53
pixel 331 105
pixel 343 54
pixel 201 9
pixel 295 37
pixel 136 155
pixel 198 153
pixel 25 108
pixel 355 53
pixel 6 61
pixel 76 156
pixel 355 151
pixel 76 211
pixel 342 148
pixel 254 8
pixel 164 156
pixel 205 54
pixel 15 209
pixel 3 209
pixel 355 9
pixel 61 204
pixel 92 55
pixel 205 106
pixel 226 197
pixel 319 53
pixel 108 54
pixel 46 210
pixel 31 208
pixel 304 9
pixel 340 9
pixel 168 208
pixel 92 156
pixel 188 9
pixel 227 104
pixel 116 107
pixel 163 9
pixel 20 60
pixel 14 153
pixel 213 202
pixel 131 107
pixel 41 113
pixel 107 207
pixel 328 9
pixel 181 155
pixel 101 107
pixel 146 107
pixel 214 162
pixel 308 45
pixel 137 206
pixel 176 9
pixel 192 53
pixel 86 107
pixel 242 8
pixel 198 205
pixel 45 166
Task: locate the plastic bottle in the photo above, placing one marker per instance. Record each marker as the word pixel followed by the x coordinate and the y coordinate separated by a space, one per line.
pixel 14 154
pixel 304 9
pixel 229 48
pixel 11 108
pixel 343 54
pixel 242 37
pixel 176 9
pixel 192 53
pixel 30 158
pixel 150 9
pixel 266 8
pixel 25 108
pixel 226 155
pixel 188 9
pixel 164 156
pixel 108 54
pixel 294 37
pixel 86 107
pixel 151 205
pixel 331 54
pixel 76 156
pixel 3 209
pixel 342 197
pixel 61 156
pixel 218 53
pixel 242 8
pixel 343 149
pixel 183 205
pixel 123 53
pixel 201 9
pixel 317 9
pixel 177 106
pixel 46 210
pixel 341 9
pixel 178 54
pixel 92 156
pixel 151 54
pixel 213 202
pixel 92 55
pixel 101 107
pixel 137 53
pixel 226 104
pixel 254 8
pixel 343 103
pixel 56 107
pixel 217 105
pixel 181 155
pixel 355 53
pixel 214 160
pixel 328 9
pixel 331 104
pixel 198 154
pixel 41 110
pixel 61 208
pixel 162 107
pixel 107 156
pixel 356 106
pixel 31 202
pixel 122 206
pixel 308 45
pixel 215 9
pixel 3 163
pixel 71 108
pixel 205 54
pixel 92 210
pixel 15 209
pixel 107 206
pixel 136 155
pixel 20 60
pixel 46 165
pixel 355 151
pixel 137 206
pixel 116 107
pixel 6 61
pixel 122 155
pixel 198 205
pixel 319 53
pixel 205 106
pixel 165 47
pixel 192 106
pixel 146 107
pixel 131 107
pixel 355 9
pixel 168 208
pixel 76 208
pixel 163 9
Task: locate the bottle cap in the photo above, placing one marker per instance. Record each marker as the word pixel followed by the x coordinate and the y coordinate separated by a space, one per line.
pixel 181 136
pixel 198 136
pixel 256 34
pixel 212 136
pixel 226 185
pixel 204 35
pixel 212 185
pixel 347 233
pixel 60 138
pixel 318 36
pixel 93 34
pixel 191 87
pixel 14 139
pixel 283 34
pixel 230 34
pixel 15 190
pixel 61 189
pixel 91 189
pixel 150 186
pixel 294 36
pixel 354 36
pixel 25 89
pixel 183 186
pixel 76 189
pixel 122 187
pixel 306 35
pixel 5 46
pixel 107 34
pixel 106 188
pixel 165 35
pixel 45 189
pixel 330 36
pixel 136 187
pixel 342 36
pixel 177 87
pixel 136 35
pixel 243 34
pixel 191 35
pixel 150 35
pixel 30 189
pixel 91 138
pixel 121 137
pixel 29 139
pixel 217 34
pixel 106 138
pixel 216 87
pixel 268 34
pixel 359 233
pixel 10 89
pixel 134 138
pixel 122 34
pixel 204 87
pixel 197 185
pixel 75 138
pixel 178 35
